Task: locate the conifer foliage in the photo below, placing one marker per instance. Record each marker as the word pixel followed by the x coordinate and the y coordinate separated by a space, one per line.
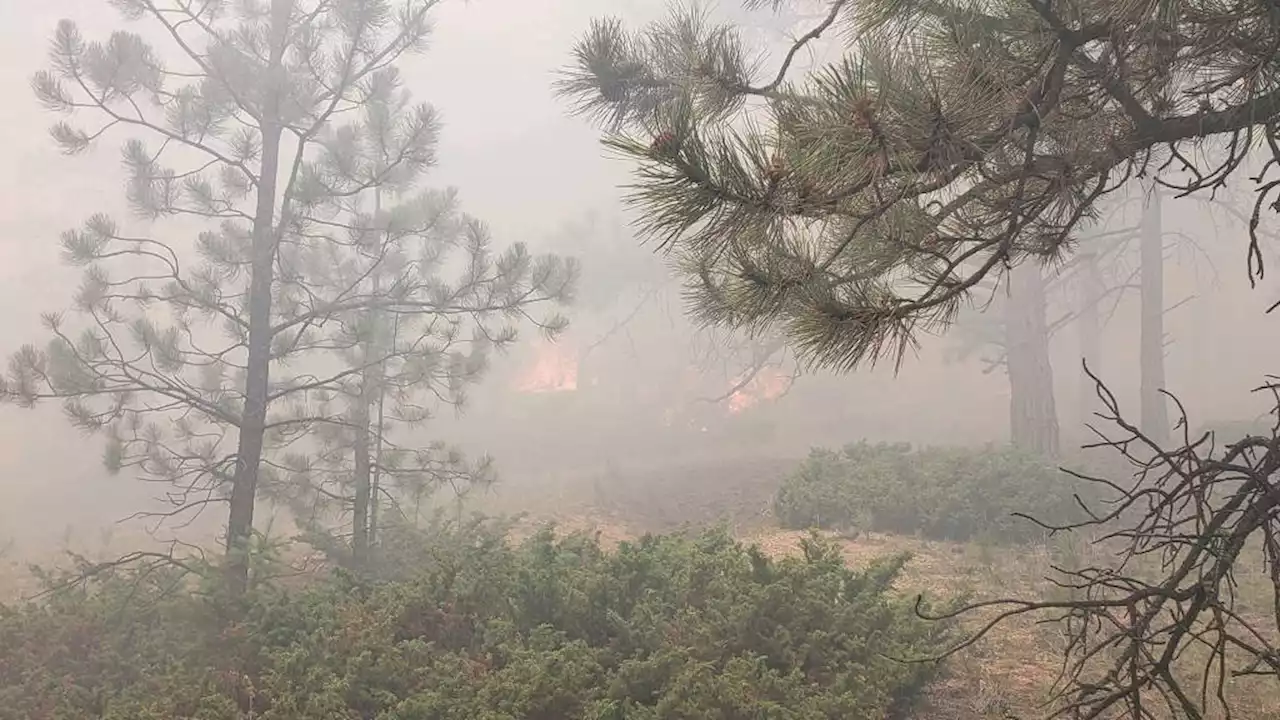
pixel 855 205
pixel 324 295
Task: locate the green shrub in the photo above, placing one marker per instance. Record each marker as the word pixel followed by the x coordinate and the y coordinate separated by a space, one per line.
pixel 473 629
pixel 942 493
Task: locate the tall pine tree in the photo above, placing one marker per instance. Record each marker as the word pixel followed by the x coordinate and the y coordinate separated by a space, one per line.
pixel 203 362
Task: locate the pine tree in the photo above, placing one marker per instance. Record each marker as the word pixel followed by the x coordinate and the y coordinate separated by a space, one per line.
pixel 861 204
pixel 1033 410
pixel 204 362
pixel 1016 323
pixel 1085 292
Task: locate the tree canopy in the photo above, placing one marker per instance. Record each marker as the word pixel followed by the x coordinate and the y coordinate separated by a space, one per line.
pixel 865 202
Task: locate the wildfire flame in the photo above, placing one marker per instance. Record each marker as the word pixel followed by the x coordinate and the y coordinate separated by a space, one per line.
pixel 769 383
pixel 554 369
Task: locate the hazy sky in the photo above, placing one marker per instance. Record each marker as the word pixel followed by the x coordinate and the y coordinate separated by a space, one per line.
pixel 520 163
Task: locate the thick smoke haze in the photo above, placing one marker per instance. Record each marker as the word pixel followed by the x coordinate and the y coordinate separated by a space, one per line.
pixel 533 174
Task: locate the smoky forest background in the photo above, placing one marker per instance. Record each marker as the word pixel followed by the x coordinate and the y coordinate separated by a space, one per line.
pixel 568 360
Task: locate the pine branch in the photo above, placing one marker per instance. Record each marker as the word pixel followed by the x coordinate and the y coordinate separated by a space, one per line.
pixel 951 141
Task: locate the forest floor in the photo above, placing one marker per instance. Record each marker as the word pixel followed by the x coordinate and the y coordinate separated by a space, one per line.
pixel 1009 674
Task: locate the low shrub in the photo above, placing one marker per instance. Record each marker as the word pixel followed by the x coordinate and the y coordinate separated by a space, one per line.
pixel 942 493
pixel 474 629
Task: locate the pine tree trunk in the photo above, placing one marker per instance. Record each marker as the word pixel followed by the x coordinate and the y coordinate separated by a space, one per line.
pixel 376 472
pixel 244 484
pixel 362 517
pixel 1033 417
pixel 1155 411
pixel 1089 323
pixel 379 426
pixel 363 448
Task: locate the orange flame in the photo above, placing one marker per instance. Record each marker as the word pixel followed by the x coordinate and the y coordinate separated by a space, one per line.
pixel 768 384
pixel 555 369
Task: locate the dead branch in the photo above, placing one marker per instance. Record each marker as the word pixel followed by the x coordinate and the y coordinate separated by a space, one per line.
pixel 1178 531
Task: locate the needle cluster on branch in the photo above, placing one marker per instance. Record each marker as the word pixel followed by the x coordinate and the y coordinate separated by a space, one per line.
pixel 862 204
pixel 325 284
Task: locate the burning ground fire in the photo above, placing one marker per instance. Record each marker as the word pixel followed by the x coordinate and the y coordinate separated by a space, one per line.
pixel 555 369
pixel 768 384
